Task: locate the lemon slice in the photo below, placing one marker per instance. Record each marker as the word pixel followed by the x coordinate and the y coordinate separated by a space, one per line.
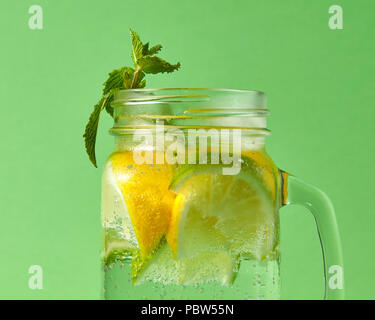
pixel 222 213
pixel 147 197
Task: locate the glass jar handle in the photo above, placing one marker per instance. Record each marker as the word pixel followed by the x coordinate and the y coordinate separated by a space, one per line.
pixel 295 191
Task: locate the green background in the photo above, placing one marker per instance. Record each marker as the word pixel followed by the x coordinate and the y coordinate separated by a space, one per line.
pixel 320 86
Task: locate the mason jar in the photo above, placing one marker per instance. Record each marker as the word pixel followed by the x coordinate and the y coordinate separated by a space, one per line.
pixel 191 199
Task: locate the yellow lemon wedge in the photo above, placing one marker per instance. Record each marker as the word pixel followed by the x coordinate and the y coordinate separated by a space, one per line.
pixel 148 200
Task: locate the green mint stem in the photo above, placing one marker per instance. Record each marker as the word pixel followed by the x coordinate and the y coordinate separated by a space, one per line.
pixel 135 79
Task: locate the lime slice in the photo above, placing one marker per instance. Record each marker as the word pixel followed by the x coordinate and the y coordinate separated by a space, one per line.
pixel 222 213
pixel 116 248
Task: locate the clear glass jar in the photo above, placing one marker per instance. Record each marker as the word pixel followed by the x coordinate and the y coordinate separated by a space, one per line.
pixel 190 199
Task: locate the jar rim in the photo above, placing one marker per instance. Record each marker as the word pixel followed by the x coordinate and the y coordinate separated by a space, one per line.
pixel 195 88
pixel 246 98
pixel 190 107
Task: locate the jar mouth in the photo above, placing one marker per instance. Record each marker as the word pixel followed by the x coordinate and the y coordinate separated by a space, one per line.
pixel 190 108
pixel 192 89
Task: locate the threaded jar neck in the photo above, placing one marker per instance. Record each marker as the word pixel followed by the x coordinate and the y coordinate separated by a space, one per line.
pixel 190 108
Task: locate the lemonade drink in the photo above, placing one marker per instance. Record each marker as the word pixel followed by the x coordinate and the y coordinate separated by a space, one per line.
pixel 182 231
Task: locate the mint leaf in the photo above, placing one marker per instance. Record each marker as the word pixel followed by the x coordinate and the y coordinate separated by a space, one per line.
pixel 145 61
pixel 145 48
pixel 115 80
pixel 137 46
pixel 154 50
pixel 141 84
pixel 128 76
pixel 92 126
pixel 154 64
pixel 141 75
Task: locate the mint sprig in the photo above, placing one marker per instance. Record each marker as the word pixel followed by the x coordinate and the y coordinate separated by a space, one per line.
pixel 145 62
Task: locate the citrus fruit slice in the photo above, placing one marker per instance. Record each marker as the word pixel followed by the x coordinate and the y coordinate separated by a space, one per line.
pixel 216 212
pixel 147 198
pixel 116 248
